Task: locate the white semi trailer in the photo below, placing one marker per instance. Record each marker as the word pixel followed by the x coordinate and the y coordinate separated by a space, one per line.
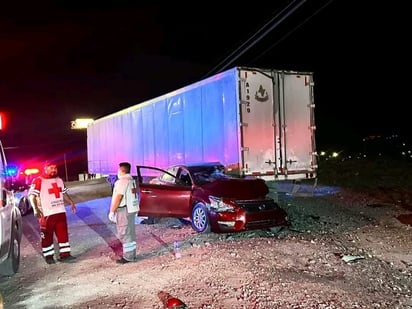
pixel 256 122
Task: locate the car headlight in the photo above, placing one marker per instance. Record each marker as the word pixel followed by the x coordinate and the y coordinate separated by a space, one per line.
pixel 218 205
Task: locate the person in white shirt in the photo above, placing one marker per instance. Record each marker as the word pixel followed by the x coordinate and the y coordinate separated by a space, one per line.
pixel 123 210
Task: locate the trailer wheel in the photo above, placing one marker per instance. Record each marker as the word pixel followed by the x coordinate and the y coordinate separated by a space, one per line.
pixel 200 218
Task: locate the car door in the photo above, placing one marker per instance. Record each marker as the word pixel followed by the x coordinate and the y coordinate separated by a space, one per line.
pixel 162 194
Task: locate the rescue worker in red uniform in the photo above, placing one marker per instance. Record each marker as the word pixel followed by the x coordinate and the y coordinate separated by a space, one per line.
pixel 48 195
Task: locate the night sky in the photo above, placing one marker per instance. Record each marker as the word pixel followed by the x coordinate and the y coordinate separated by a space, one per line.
pixel 64 60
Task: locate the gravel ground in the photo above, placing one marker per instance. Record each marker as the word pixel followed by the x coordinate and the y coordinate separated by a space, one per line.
pixel 345 248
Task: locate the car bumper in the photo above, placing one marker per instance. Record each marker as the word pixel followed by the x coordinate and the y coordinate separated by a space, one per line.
pixel 236 222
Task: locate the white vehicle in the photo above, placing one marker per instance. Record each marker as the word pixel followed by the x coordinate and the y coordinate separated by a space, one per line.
pixel 10 224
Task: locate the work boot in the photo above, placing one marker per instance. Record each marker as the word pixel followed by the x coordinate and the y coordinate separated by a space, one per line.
pixel 50 260
pixel 67 259
pixel 122 260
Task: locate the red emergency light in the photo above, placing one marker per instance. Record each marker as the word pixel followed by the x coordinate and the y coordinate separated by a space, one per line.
pixel 3 120
pixel 31 171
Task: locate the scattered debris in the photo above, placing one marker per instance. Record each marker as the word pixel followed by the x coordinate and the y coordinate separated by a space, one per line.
pixel 352 258
pixel 171 302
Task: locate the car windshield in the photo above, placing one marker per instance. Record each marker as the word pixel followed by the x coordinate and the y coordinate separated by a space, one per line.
pixel 207 174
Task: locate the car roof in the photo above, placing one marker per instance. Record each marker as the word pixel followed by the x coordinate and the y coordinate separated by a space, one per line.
pixel 199 164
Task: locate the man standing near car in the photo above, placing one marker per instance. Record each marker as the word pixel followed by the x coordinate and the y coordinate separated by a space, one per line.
pixel 48 195
pixel 123 210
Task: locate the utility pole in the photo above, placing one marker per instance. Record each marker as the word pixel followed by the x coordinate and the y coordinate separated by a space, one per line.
pixel 65 166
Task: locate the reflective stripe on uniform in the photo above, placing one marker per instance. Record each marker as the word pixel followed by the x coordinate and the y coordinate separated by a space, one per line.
pixel 129 247
pixel 64 247
pixel 47 251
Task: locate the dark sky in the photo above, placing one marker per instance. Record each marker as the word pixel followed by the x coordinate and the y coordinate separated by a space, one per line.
pixel 61 60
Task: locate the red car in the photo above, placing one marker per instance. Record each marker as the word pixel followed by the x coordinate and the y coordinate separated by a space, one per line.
pixel 209 198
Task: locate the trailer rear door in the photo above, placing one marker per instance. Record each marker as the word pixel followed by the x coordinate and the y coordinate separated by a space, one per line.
pixel 257 127
pixel 295 132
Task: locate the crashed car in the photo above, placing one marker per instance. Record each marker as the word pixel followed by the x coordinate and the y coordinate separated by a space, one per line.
pixel 207 197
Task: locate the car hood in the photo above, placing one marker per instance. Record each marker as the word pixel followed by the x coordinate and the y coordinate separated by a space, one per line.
pixel 237 188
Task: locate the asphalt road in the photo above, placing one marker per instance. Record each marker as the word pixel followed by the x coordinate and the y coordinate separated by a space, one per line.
pixel 90 215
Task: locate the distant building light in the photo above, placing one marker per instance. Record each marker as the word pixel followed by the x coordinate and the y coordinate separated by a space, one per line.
pixel 81 123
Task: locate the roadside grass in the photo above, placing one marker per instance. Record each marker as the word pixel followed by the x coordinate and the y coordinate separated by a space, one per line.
pixel 366 173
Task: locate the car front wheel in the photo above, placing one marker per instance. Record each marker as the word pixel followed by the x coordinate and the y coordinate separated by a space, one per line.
pixel 11 265
pixel 200 218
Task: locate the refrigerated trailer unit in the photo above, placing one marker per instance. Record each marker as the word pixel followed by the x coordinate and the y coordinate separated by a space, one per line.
pixel 257 122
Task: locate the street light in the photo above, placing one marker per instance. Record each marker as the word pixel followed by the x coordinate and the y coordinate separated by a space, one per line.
pixel 78 124
pixel 81 123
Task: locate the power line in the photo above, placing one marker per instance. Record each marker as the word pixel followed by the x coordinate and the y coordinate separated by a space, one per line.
pixel 237 51
pixel 292 31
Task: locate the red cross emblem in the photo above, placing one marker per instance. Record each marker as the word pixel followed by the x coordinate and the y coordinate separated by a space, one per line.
pixel 55 190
